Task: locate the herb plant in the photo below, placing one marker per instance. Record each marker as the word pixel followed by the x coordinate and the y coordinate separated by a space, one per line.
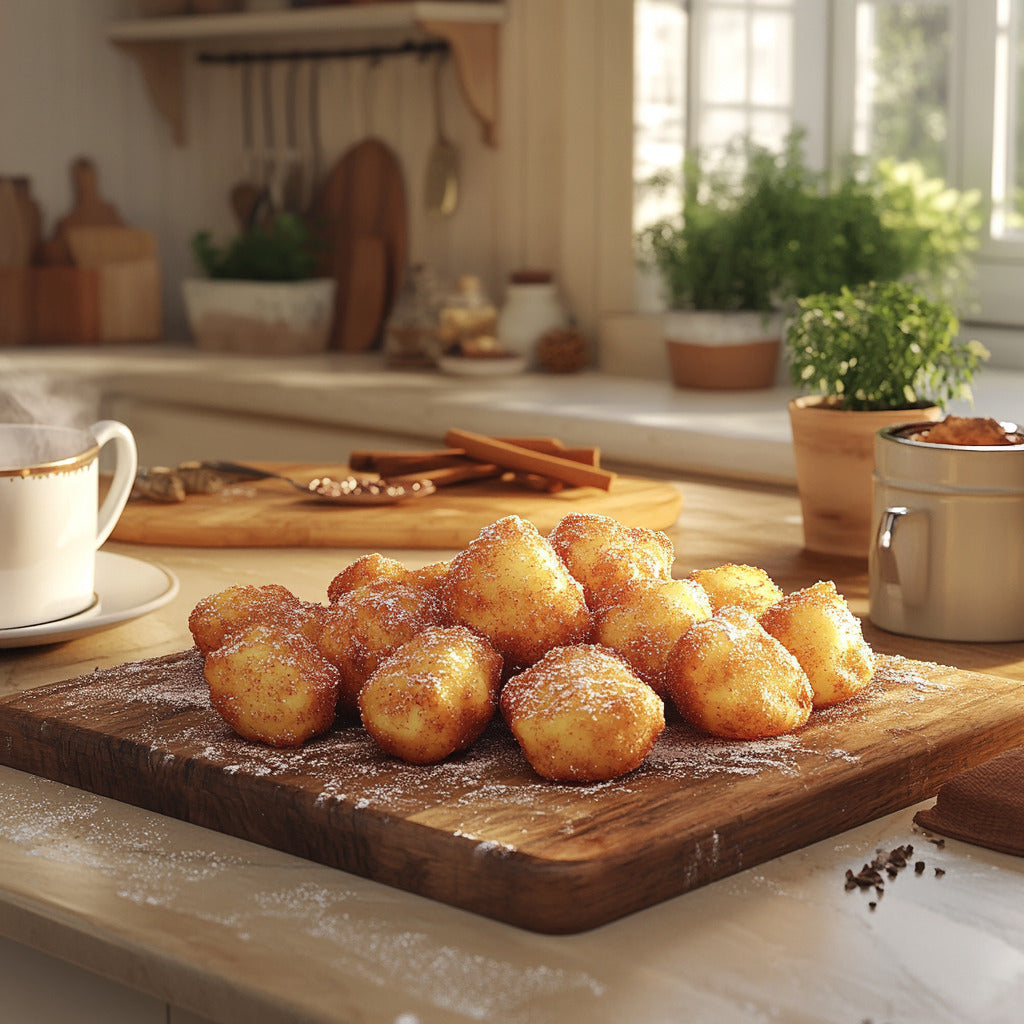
pixel 775 231
pixel 882 345
pixel 281 251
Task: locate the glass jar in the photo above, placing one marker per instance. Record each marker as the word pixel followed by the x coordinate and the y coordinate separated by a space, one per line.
pixel 410 331
pixel 468 319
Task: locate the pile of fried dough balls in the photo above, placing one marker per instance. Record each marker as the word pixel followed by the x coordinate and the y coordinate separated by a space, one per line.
pixel 579 638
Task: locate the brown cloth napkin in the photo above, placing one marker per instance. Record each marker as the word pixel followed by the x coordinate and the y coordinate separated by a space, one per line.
pixel 983 805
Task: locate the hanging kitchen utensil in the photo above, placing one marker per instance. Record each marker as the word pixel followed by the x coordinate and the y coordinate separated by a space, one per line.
pixel 245 195
pixel 360 214
pixel 270 157
pixel 293 184
pixel 315 142
pixel 441 190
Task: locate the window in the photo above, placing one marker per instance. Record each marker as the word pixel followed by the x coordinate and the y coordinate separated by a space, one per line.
pixel 939 81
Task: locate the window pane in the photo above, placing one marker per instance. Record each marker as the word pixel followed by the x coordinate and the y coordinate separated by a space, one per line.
pixel 1015 116
pixel 659 107
pixel 902 82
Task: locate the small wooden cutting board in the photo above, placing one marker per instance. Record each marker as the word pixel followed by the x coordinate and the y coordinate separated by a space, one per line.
pixel 270 513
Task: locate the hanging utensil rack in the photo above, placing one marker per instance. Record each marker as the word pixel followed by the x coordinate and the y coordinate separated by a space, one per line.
pixel 423 49
pixel 472 30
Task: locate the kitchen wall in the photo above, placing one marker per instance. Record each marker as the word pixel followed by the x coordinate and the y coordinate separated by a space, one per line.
pixel 555 193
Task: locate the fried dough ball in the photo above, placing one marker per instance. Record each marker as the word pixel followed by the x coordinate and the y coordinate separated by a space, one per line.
pixel 433 696
pixel 646 621
pixel 509 585
pixel 375 568
pixel 272 686
pixel 431 576
pixel 744 586
pixel 219 617
pixel 371 568
pixel 604 555
pixel 369 624
pixel 732 679
pixel 581 715
pixel 817 627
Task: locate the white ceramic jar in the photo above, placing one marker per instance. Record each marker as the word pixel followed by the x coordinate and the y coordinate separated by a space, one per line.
pixel 531 310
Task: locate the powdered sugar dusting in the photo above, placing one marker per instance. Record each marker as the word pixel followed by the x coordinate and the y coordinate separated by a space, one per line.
pixel 150 868
pixel 168 704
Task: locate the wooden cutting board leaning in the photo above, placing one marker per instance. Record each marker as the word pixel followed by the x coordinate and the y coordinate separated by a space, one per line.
pixel 480 830
pixel 359 223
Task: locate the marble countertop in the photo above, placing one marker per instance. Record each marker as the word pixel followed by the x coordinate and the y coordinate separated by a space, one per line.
pixel 237 932
pixel 739 434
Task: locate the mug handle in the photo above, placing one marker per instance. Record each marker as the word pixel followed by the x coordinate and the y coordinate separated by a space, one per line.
pixel 125 468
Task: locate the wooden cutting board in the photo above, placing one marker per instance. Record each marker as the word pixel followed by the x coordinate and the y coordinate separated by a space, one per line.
pixel 481 831
pixel 270 513
pixel 359 221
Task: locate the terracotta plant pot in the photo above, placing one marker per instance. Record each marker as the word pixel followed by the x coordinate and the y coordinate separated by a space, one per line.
pixel 723 351
pixel 834 451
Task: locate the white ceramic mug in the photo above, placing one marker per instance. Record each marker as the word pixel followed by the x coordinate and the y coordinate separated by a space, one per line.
pixel 51 522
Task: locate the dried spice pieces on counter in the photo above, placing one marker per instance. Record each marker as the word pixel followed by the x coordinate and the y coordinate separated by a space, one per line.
pixel 885 865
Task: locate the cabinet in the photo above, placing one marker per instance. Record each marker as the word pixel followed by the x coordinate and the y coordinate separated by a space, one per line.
pixel 470 29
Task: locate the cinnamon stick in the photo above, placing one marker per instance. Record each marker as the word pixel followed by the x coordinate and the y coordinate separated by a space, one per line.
pixel 447 475
pixel 512 456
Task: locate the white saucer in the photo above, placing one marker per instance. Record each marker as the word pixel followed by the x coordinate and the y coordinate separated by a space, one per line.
pixel 125 587
pixel 482 366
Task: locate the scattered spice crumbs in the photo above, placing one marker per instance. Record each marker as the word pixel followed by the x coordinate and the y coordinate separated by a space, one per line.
pixel 892 863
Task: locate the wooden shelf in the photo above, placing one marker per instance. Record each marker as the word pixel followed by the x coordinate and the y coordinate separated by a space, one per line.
pixel 471 30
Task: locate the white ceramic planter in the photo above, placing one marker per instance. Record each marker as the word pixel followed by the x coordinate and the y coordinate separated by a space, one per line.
pixel 264 317
pixel 723 351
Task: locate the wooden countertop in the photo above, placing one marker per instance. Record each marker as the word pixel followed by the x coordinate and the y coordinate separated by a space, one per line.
pixel 238 932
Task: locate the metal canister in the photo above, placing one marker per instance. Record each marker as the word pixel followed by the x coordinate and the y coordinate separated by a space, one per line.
pixel 947 557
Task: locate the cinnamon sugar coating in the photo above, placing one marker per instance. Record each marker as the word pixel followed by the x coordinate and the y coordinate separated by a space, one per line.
pixel 646 621
pixel 219 617
pixel 272 686
pixel 604 555
pixel 580 714
pixel 742 586
pixel 369 624
pixel 732 679
pixel 375 568
pixel 817 627
pixel 433 696
pixel 510 586
pixel 370 568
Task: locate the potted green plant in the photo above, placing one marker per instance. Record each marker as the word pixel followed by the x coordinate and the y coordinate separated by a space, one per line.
pixel 260 292
pixel 746 245
pixel 867 358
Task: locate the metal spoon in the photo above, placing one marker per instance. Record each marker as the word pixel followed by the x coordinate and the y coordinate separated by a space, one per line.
pixel 349 490
pixel 442 178
pixel 293 188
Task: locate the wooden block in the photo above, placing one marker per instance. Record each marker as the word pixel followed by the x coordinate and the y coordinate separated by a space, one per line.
pixel 96 245
pixel 15 305
pixel 65 305
pixel 130 307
